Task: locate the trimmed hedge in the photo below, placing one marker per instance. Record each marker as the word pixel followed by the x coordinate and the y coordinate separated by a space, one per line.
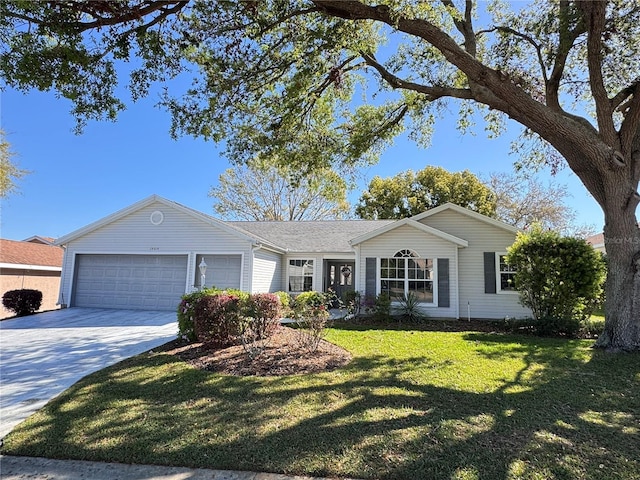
pixel 22 302
pixel 218 318
pixel 263 312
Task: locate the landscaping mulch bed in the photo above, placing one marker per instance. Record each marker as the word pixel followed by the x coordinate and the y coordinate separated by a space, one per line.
pixel 283 355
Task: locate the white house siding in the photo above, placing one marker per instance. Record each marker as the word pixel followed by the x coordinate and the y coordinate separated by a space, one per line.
pixel 267 272
pixel 423 244
pixel 179 233
pixel 482 237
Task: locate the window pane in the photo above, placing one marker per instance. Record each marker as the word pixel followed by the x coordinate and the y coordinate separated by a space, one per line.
pixel 423 290
pixel 504 267
pixel 508 281
pixel 300 275
pixel 394 288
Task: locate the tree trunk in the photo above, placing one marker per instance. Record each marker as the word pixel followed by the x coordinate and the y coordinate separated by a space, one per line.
pixel 622 304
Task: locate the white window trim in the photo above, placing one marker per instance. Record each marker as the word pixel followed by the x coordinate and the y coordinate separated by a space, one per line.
pixel 434 280
pixel 313 276
pixel 498 273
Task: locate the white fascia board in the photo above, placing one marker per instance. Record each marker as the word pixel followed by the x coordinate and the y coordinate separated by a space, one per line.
pixel 412 223
pixel 467 212
pixel 21 266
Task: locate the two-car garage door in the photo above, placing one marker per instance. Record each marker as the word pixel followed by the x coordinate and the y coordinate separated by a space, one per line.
pixel 146 282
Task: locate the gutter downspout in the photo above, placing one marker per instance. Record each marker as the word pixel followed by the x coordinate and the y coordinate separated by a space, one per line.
pixel 254 248
pixel 61 301
pixel 457 283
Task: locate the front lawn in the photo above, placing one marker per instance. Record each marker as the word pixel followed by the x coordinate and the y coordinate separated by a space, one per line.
pixel 411 405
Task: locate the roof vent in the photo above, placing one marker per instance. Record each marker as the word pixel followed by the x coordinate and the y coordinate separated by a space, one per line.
pixel 156 217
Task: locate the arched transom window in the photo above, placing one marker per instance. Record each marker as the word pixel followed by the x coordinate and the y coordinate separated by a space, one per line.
pixel 406 273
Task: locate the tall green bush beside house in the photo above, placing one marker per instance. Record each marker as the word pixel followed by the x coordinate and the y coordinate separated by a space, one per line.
pixel 560 279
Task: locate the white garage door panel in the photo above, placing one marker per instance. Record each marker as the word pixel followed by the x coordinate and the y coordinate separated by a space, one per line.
pixel 151 282
pixel 223 271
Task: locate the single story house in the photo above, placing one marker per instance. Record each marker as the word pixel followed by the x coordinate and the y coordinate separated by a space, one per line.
pixel 148 254
pixel 33 264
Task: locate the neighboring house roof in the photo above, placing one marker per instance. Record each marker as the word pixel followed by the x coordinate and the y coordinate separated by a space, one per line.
pixel 39 239
pixel 412 223
pixel 596 240
pixel 318 236
pixel 33 256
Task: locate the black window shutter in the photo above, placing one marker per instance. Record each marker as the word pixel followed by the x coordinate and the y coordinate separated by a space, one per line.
pixel 443 282
pixel 370 277
pixel 489 272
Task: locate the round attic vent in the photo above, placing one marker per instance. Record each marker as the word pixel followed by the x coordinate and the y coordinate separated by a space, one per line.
pixel 157 217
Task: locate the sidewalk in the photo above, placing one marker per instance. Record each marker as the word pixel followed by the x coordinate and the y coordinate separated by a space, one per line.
pixel 22 468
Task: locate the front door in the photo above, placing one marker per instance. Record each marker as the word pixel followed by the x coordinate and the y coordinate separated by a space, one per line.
pixel 339 276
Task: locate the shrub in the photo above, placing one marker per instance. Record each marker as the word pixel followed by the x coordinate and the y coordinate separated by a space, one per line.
pixel 261 319
pixel 559 278
pixel 311 327
pixel 186 313
pixel 352 302
pixel 285 303
pixel 382 307
pixel 558 327
pixel 409 309
pixel 309 299
pixel 22 302
pixel 592 327
pixel 217 319
pixel 263 312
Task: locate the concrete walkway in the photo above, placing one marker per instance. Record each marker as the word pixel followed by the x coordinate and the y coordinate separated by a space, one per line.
pixel 44 354
pixel 22 468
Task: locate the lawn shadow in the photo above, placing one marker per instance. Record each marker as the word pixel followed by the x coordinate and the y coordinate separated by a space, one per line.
pixel 568 412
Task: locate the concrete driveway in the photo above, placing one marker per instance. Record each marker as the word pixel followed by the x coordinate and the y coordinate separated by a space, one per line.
pixel 42 355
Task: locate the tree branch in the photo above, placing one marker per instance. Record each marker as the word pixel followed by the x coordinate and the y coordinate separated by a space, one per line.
pixel 630 128
pixel 622 95
pixel 526 38
pixel 594 13
pixel 465 26
pixel 432 93
pixel 566 39
pixel 290 15
pixel 125 15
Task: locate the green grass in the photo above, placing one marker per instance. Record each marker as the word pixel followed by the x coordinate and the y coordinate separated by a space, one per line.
pixel 411 405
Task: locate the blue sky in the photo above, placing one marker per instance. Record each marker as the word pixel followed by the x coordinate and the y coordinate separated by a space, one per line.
pixel 76 180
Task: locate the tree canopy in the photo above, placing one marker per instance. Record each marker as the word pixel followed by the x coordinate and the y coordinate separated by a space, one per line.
pixel 410 193
pixel 266 192
pixel 10 173
pixel 322 83
pixel 524 202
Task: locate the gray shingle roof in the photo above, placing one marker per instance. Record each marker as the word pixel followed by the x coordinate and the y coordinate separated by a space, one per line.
pixel 305 236
pixel 318 236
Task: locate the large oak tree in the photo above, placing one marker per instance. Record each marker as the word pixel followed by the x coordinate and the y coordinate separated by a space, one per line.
pixel 331 82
